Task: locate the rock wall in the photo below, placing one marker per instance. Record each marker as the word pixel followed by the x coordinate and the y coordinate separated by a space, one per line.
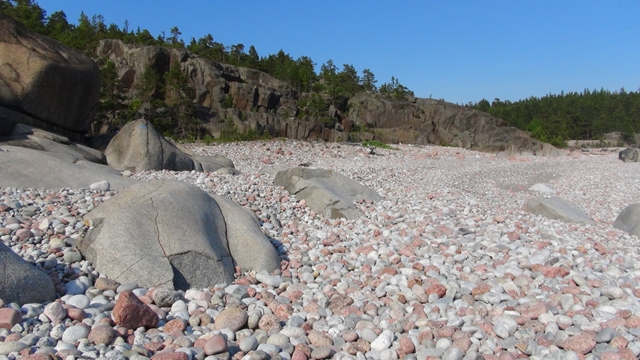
pixel 264 104
pixel 427 121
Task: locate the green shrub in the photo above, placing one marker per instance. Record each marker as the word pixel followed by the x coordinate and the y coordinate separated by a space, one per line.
pixel 378 144
pixel 227 102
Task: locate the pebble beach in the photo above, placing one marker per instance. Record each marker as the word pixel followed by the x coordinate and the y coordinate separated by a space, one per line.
pixel 449 265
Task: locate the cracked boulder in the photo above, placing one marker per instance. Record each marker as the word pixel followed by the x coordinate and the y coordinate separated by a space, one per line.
pixel 139 147
pixel 326 192
pixel 173 235
pixel 41 78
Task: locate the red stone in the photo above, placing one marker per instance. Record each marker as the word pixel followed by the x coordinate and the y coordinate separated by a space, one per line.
pixel 132 313
pixel 76 314
pixel 215 345
pixel 298 355
pixel 614 323
pixel 407 345
pixel 437 289
pixel 177 325
pixel 626 354
pixel 480 289
pixel 388 270
pixel 581 344
pixel 463 343
pixel 9 318
pixel 101 335
pixel 633 322
pixel 532 310
pixel 619 342
pixel 170 356
pixel 23 234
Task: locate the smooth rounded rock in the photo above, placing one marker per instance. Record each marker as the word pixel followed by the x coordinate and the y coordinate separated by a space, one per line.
pixel 75 333
pixel 215 345
pixel 231 318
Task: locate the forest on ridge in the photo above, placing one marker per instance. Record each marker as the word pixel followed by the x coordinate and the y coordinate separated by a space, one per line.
pixel 585 115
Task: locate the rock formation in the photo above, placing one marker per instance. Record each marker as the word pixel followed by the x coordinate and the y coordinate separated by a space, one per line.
pixel 326 192
pixel 44 83
pixel 171 234
pixel 553 207
pixel 27 168
pixel 139 147
pixel 247 99
pixel 427 121
pixel 629 155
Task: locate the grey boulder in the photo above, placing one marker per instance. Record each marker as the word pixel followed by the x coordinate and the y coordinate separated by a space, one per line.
pixel 27 168
pixel 553 207
pixel 33 138
pixel 629 220
pixel 629 155
pixel 22 282
pixel 139 147
pixel 326 192
pixel 250 248
pixel 168 234
pixel 274 169
pixel 46 80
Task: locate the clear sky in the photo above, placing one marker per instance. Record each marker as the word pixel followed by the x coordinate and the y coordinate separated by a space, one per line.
pixel 459 51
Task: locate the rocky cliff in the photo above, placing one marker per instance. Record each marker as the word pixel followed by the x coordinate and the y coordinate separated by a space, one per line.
pixel 427 121
pixel 253 100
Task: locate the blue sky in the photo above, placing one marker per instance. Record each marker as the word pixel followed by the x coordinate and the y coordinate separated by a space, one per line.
pixel 459 51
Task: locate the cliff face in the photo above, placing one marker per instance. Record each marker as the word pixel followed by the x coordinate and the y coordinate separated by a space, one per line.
pixel 427 121
pixel 255 100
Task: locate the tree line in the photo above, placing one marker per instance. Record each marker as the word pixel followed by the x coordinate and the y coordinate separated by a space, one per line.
pixel 571 116
pixel 330 86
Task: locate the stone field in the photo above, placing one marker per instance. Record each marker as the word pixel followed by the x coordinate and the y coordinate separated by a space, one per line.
pixel 449 264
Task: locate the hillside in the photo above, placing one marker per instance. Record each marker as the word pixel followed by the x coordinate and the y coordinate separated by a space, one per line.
pixel 588 115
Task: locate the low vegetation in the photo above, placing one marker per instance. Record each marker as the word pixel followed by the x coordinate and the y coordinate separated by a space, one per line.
pixel 571 116
pixel 377 144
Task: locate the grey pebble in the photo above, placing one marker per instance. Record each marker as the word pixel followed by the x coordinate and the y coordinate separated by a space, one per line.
pixel 249 343
pixel 75 333
pixel 11 346
pixel 128 286
pixel 606 335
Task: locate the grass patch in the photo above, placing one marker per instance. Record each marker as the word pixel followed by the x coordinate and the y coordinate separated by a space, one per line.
pixel 378 144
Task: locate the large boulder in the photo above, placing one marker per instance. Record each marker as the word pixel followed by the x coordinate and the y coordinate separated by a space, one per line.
pixel 553 207
pixel 46 80
pixel 139 147
pixel 33 138
pixel 28 168
pixel 22 282
pixel 629 155
pixel 171 234
pixel 629 220
pixel 326 192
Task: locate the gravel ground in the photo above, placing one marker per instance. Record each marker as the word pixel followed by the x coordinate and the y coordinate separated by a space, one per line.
pixel 449 265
